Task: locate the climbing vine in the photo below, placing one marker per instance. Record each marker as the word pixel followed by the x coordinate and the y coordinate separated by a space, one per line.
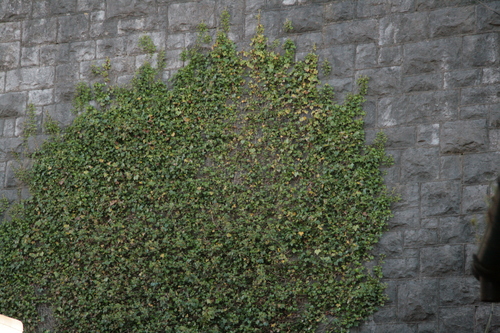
pixel 241 199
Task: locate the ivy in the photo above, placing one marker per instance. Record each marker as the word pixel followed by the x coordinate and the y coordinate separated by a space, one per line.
pixel 242 199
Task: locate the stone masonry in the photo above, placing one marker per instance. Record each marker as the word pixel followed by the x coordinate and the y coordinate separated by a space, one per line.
pixel 434 90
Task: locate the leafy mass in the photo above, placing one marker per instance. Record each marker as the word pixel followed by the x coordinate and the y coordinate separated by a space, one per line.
pixel 240 199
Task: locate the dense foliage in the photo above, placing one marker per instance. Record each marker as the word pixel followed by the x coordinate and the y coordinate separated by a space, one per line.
pixel 241 199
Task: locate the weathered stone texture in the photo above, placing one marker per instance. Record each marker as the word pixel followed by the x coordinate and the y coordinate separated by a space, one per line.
pixel 40 31
pixel 432 55
pixel 180 15
pixel 442 260
pixel 417 300
pixel 464 136
pixel 440 198
pixel 452 21
pixel 12 104
pixel 363 31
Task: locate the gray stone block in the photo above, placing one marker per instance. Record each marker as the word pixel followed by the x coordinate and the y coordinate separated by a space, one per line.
pixel 482 316
pixel 30 78
pixel 10 174
pixel 427 327
pixel 236 10
pixel 416 238
pixel 66 73
pixel 420 164
pixel 61 113
pixel 400 6
pixel 60 7
pixel 30 56
pixel 400 137
pixel 119 46
pixel 475 112
pixel 450 167
pixel 434 4
pixel 417 300
pixel 464 136
pixel 9 147
pixel 174 59
pixel 491 76
pixel 456 320
pixel 481 50
pixel 390 55
pixel 370 106
pixel 13 10
pixel 400 268
pixel 366 56
pixel 10 32
pixel 456 291
pixel 440 198
pixel 122 8
pixel 453 230
pixel 9 127
pixel 470 250
pixel 41 9
pixel 73 28
pixel 186 16
pixel 372 8
pixel 452 21
pixel 474 199
pixel 391 244
pixel 306 42
pixel 423 82
pixel 432 222
pixel 480 168
pixel 39 31
pixel 403 28
pixel 90 5
pixel 405 218
pixel 409 194
pixel 385 315
pixel 387 80
pixel 9 55
pixel 254 5
pixel 480 95
pixel 52 54
pixel 428 135
pixel 12 104
pixel 41 97
pixel 430 56
pixel 341 87
pixel 442 260
pixel 487 19
pixel 82 51
pixel 305 18
pixel 133 25
pixel 352 32
pixel 494 116
pixel 385 328
pixel 340 11
pixel 464 78
pixel 341 59
pixel 100 27
pixel 431 107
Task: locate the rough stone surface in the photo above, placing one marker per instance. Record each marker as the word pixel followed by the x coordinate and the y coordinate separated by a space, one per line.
pixel 464 136
pixel 434 90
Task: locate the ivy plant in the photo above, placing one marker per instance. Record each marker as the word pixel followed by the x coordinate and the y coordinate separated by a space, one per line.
pixel 241 199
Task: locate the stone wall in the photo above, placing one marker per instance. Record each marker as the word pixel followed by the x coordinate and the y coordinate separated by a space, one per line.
pixel 434 90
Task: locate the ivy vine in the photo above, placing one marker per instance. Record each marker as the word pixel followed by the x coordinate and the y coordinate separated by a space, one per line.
pixel 241 199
